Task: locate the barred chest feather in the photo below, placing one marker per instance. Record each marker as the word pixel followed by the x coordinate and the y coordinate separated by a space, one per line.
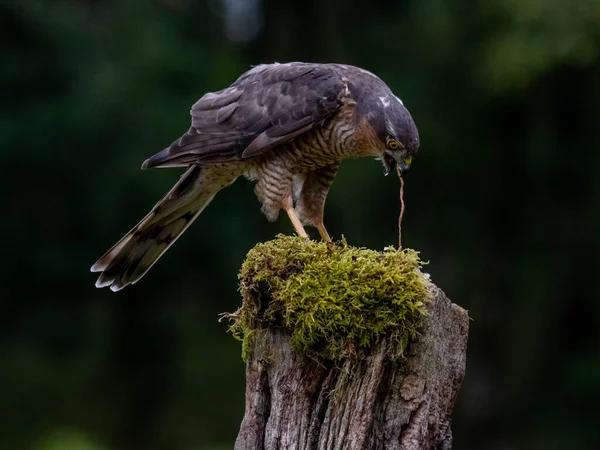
pixel 321 146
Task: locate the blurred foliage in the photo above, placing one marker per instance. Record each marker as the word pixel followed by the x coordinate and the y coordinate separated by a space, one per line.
pixel 503 199
pixel 67 440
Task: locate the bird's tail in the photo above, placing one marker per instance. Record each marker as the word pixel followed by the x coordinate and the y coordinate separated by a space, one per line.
pixel 130 258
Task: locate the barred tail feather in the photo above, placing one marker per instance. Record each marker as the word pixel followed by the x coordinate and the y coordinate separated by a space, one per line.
pixel 130 258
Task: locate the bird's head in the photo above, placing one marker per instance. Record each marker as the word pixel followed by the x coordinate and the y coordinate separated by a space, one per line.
pixel 397 135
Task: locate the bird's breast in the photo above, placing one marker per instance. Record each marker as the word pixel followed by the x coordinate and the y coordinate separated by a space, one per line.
pixel 333 141
pixel 324 145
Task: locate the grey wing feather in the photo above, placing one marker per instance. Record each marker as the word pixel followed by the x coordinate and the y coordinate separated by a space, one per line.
pixel 267 106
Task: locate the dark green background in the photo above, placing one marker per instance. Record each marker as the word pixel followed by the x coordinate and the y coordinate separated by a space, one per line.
pixel 503 199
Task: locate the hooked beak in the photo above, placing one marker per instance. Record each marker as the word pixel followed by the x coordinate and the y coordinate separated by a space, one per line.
pixel 390 160
pixel 405 164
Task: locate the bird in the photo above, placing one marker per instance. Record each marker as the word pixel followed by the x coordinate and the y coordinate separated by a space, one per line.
pixel 286 126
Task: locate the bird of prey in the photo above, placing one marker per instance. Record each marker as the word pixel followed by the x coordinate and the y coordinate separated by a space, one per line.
pixel 285 126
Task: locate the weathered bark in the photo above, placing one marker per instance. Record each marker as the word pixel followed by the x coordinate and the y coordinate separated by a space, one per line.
pixel 293 402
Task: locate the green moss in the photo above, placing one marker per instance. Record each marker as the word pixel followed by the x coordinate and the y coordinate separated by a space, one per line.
pixel 336 301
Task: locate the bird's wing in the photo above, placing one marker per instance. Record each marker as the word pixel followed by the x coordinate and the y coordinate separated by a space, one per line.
pixel 267 106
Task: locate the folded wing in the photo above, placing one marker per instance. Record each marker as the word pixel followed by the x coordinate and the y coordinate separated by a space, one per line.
pixel 267 106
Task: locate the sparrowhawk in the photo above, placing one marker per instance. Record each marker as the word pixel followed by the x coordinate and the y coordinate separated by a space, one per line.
pixel 286 126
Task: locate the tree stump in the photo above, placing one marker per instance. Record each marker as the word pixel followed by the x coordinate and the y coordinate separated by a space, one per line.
pixel 391 394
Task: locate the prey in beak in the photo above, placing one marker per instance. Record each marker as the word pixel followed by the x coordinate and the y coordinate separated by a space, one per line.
pixel 391 159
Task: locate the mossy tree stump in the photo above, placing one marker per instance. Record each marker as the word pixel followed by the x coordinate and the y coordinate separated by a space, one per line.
pixel 346 349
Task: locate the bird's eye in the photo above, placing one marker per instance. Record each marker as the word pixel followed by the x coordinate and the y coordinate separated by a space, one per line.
pixel 393 144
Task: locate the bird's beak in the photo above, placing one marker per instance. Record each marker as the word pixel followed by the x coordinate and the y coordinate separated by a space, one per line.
pixel 390 160
pixel 405 164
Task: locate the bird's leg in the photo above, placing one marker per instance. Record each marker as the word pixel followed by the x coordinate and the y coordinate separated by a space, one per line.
pixel 291 212
pixel 311 201
pixel 322 231
pixel 288 206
